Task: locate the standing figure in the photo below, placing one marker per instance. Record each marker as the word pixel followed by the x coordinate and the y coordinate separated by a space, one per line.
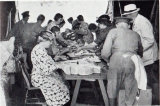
pixel 18 30
pixel 45 74
pixel 144 28
pixel 31 30
pixel 120 44
pixel 58 18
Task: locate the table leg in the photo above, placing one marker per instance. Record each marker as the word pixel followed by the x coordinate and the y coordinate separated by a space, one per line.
pixel 103 91
pixel 75 94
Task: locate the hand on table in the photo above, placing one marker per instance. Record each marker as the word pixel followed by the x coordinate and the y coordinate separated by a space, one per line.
pixel 57 57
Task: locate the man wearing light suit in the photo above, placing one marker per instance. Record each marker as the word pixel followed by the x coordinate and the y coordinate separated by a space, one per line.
pixel 144 28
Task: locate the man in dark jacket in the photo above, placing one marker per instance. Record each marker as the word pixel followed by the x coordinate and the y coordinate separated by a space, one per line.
pixel 18 30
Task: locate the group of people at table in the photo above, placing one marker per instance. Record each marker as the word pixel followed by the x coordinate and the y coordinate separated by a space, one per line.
pixel 115 44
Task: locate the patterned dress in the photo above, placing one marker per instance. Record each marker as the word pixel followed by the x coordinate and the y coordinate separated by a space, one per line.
pixel 45 77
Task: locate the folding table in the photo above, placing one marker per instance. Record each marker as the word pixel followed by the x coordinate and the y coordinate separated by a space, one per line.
pixel 97 76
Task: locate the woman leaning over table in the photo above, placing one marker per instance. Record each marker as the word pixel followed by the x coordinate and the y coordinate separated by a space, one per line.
pixel 45 76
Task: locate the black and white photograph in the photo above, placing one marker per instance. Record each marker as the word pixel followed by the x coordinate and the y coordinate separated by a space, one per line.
pixel 79 53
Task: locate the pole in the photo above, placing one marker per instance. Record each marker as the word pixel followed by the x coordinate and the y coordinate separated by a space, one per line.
pixel 113 8
pixel 152 12
pixel 120 8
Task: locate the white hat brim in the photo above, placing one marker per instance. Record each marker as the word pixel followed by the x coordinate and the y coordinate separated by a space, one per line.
pixel 132 12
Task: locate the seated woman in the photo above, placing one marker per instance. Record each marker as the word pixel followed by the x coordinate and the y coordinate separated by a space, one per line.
pixel 45 76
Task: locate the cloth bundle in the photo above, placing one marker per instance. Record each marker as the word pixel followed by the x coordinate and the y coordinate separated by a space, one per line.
pixel 140 72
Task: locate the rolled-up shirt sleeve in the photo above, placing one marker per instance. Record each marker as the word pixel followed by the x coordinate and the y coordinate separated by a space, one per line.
pixel 107 47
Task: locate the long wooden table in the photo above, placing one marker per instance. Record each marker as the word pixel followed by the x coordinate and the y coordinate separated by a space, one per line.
pixel 100 77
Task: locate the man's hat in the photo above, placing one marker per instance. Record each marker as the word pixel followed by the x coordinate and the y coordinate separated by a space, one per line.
pixel 122 19
pixel 130 8
pixel 26 14
pixel 103 18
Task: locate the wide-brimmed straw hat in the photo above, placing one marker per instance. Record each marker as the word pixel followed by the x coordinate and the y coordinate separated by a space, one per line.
pixel 130 8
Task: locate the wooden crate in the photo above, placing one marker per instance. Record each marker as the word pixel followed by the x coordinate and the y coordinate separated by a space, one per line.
pixel 145 98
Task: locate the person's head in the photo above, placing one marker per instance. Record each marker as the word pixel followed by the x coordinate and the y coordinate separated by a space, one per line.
pixel 80 18
pixel 49 21
pixel 62 24
pixel 122 22
pixel 92 27
pixel 103 21
pixel 45 39
pixel 58 18
pixel 55 30
pixel 41 18
pixel 75 26
pixel 25 16
pixel 70 20
pixel 131 11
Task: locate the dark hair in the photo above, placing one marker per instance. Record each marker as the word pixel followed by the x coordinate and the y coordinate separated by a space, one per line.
pixel 70 19
pixel 49 21
pixel 80 18
pixel 55 29
pixel 58 16
pixel 105 22
pixel 41 17
pixel 92 26
pixel 24 16
pixel 76 26
pixel 62 23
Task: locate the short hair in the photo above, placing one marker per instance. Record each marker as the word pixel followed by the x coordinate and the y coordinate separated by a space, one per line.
pixel 92 26
pixel 49 21
pixel 55 29
pixel 80 18
pixel 63 22
pixel 70 19
pixel 41 17
pixel 58 16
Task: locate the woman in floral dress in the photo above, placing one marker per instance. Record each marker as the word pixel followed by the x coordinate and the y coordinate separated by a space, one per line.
pixel 44 75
